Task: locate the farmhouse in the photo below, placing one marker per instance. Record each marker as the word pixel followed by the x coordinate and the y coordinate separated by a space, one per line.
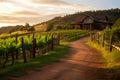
pixel 92 22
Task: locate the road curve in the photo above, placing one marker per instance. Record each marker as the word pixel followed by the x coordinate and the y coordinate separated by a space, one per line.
pixel 83 63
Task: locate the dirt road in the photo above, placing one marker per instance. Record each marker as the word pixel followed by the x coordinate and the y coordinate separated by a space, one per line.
pixel 83 63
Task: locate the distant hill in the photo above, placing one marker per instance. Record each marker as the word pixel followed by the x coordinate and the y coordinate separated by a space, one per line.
pixel 6 29
pixel 64 22
pixel 10 29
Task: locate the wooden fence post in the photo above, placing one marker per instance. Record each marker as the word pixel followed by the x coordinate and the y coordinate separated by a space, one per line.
pixel 13 58
pixel 16 41
pixel 95 37
pixel 28 35
pixel 34 48
pixel 58 39
pixel 33 35
pixel 46 38
pixel 103 40
pixel 52 43
pixel 91 35
pixel 23 50
pixel 47 45
pixel 111 41
pixel 98 38
pixel 6 59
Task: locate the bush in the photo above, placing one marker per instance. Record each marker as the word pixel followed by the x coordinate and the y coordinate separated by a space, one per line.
pixel 115 31
pixel 49 27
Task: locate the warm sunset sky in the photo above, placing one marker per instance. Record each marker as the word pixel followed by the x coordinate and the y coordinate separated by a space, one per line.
pixel 14 12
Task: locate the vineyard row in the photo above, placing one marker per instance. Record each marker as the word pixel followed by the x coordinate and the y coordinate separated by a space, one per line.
pixel 25 48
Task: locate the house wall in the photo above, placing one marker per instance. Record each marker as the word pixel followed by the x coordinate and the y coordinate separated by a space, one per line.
pixel 88 20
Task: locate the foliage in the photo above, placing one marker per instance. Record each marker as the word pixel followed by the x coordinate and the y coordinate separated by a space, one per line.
pixel 20 69
pixel 49 27
pixel 9 47
pixel 31 28
pixel 71 35
pixel 111 59
pixel 115 32
pixel 117 23
pixel 11 29
pixel 7 35
pixel 28 27
pixel 64 22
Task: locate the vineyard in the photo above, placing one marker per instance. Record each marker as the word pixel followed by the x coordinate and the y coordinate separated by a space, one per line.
pixel 22 49
pixel 72 35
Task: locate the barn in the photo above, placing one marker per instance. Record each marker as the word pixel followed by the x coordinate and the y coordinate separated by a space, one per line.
pixel 92 23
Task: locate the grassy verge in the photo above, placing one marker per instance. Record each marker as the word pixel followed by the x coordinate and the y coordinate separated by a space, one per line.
pixel 20 69
pixel 112 59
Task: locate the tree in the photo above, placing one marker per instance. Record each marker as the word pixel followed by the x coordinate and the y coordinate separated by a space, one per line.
pixel 31 28
pixel 49 27
pixel 117 23
pixel 27 26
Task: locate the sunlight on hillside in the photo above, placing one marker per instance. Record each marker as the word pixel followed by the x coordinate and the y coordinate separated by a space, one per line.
pixel 41 27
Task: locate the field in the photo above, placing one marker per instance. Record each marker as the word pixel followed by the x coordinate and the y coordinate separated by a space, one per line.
pixel 13 49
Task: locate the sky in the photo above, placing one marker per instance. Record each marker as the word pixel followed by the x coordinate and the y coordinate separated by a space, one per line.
pixel 19 12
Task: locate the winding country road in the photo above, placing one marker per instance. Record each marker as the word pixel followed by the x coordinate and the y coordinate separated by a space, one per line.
pixel 83 63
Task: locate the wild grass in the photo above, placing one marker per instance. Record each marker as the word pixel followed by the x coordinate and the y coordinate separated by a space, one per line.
pixel 112 59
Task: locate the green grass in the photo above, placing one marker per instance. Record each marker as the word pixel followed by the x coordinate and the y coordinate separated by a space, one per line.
pixel 72 35
pixel 112 59
pixel 77 37
pixel 20 69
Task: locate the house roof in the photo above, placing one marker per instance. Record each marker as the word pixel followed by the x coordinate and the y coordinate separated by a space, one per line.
pixel 97 19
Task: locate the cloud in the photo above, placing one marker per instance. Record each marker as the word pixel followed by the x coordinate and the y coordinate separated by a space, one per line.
pixel 25 13
pixel 50 2
pixel 7 19
pixel 2 0
pixel 15 20
pixel 62 4
pixel 22 20
pixel 8 8
pixel 36 11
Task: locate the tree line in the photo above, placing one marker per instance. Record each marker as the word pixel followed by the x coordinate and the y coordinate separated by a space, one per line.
pixel 64 22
